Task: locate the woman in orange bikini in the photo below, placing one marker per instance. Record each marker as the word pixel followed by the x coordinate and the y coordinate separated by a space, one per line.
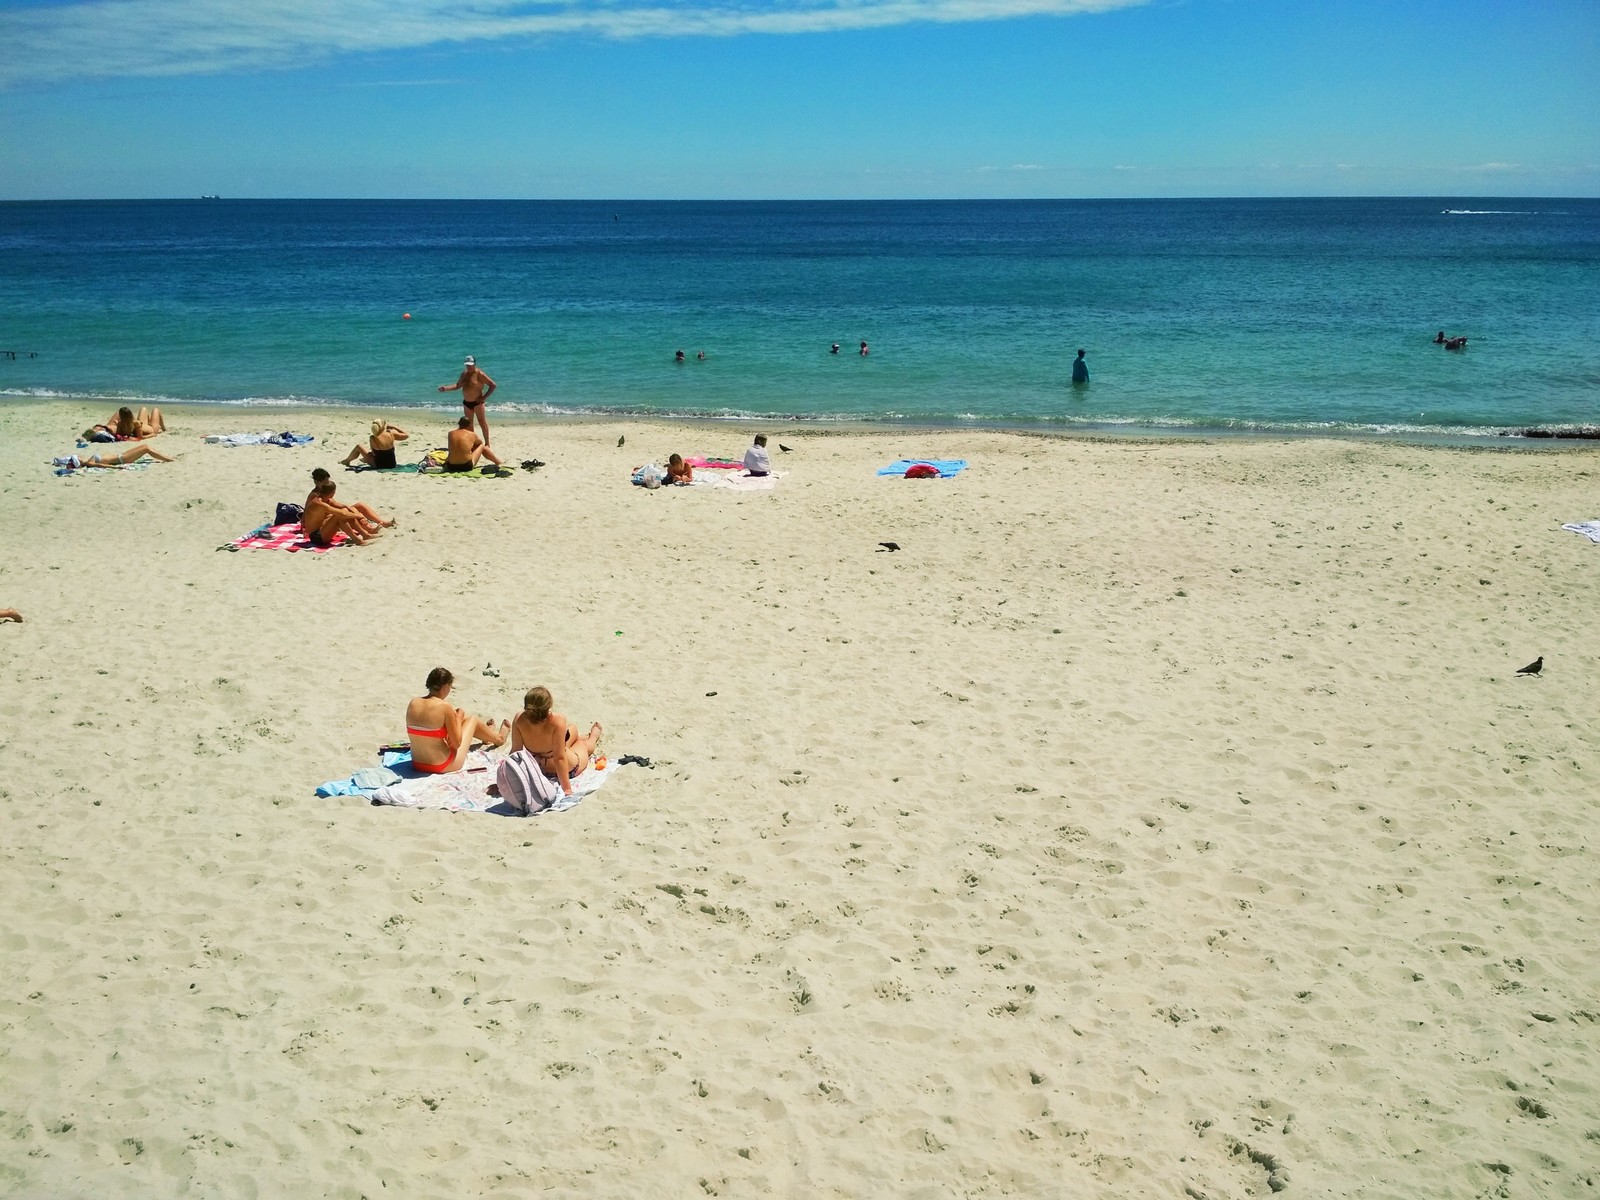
pixel 546 735
pixel 441 734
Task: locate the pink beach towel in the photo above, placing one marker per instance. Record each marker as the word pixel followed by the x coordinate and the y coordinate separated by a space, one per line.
pixel 282 537
pixel 716 464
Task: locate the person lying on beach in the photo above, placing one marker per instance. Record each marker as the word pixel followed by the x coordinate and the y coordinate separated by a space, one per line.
pixel 372 522
pixel 322 518
pixel 129 427
pixel 679 471
pixel 379 450
pixel 466 448
pixel 441 734
pixel 10 614
pixel 755 459
pixel 119 458
pixel 549 738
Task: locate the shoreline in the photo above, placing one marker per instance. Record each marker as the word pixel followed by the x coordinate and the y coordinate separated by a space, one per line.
pixel 1161 815
pixel 1557 438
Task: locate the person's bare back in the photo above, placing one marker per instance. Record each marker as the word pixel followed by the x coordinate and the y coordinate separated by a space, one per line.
pixel 549 738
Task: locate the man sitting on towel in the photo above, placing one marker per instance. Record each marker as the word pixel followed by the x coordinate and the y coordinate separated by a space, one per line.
pixel 756 461
pixel 466 448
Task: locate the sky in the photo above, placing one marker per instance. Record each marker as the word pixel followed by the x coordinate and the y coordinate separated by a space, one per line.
pixel 798 99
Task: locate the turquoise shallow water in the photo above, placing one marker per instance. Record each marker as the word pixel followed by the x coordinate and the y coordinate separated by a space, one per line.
pixel 1209 314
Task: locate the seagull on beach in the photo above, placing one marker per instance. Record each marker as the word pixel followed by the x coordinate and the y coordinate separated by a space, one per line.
pixel 1533 668
pixel 891 547
pixel 622 439
pixel 782 447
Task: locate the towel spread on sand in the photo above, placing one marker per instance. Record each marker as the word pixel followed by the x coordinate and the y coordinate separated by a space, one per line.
pixel 285 439
pixel 397 469
pixel 396 768
pixel 282 537
pixel 737 481
pixel 716 464
pixel 945 466
pixel 1588 529
pixel 468 791
pixel 432 465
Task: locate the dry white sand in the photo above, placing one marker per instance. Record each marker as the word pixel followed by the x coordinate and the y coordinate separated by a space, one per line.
pixel 1165 819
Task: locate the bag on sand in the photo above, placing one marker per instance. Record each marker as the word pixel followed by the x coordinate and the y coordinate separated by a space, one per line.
pixel 524 785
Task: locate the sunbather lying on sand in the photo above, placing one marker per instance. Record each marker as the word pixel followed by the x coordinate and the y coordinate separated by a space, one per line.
pixel 10 614
pixel 116 458
pixel 371 521
pixel 547 736
pixel 441 734
pixel 322 518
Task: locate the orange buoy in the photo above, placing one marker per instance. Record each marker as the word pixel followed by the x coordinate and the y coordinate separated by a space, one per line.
pixel 405 316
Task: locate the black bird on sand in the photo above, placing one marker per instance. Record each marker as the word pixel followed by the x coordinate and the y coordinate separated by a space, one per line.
pixel 1534 667
pixel 891 547
pixel 782 447
pixel 622 439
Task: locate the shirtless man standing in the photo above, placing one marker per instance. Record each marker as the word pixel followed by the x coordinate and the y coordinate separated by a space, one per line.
pixel 466 448
pixel 475 388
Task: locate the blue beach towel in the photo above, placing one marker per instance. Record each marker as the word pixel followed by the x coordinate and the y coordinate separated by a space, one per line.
pixel 945 466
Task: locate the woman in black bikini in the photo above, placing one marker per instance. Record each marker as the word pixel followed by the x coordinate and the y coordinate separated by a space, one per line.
pixel 548 737
pixel 379 451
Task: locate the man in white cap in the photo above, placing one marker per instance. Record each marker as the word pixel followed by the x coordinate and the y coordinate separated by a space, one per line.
pixel 475 387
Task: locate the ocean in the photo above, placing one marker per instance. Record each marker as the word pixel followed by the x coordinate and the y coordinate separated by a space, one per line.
pixel 1294 315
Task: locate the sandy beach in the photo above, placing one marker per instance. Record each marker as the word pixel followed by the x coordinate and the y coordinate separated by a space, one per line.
pixel 1163 819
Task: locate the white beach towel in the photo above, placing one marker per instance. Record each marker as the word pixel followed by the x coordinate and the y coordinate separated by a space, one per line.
pixel 468 791
pixel 1589 529
pixel 735 481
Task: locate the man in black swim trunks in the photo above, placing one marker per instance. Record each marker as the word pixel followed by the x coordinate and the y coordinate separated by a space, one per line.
pixel 466 448
pixel 475 388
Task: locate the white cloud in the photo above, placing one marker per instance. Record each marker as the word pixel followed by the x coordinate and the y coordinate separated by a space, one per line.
pixel 110 38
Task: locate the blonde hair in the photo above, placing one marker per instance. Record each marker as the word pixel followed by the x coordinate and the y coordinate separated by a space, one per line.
pixel 378 427
pixel 536 704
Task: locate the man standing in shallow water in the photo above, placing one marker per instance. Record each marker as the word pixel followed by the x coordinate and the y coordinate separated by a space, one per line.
pixel 475 388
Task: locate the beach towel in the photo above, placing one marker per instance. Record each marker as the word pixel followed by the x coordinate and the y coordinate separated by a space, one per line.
pixel 945 466
pixel 731 481
pixel 1588 529
pixel 468 791
pixel 285 439
pixel 282 537
pixel 410 468
pixel 716 464
pixel 432 466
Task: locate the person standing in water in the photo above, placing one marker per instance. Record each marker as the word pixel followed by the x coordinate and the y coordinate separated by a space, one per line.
pixel 1080 369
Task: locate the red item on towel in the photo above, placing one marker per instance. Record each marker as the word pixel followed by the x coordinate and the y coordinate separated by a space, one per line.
pixel 922 471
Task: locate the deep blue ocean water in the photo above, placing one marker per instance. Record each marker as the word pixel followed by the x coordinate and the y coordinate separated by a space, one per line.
pixel 1213 314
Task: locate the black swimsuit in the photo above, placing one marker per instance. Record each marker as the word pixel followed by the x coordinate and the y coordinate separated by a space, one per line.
pixel 383 458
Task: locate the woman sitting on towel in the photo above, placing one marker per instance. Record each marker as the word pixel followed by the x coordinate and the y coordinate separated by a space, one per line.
pixel 441 734
pixel 546 735
pixel 381 443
